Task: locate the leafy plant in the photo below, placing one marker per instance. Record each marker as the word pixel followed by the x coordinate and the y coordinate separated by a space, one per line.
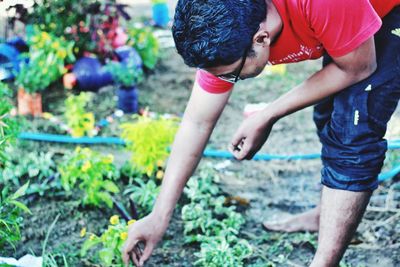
pixel 223 251
pixel 79 121
pixel 10 215
pixel 216 227
pixel 45 61
pixel 111 242
pixel 94 173
pixel 125 74
pixel 22 165
pixel 69 18
pixel 143 194
pixel 8 126
pixel 148 140
pixel 146 44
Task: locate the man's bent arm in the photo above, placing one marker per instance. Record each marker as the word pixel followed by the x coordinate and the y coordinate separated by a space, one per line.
pixel 341 73
pixel 199 119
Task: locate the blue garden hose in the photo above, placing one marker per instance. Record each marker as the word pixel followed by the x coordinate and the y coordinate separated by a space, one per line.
pixel 395 144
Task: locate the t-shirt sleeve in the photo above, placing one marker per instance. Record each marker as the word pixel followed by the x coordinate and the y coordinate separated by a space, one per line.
pixel 211 83
pixel 342 25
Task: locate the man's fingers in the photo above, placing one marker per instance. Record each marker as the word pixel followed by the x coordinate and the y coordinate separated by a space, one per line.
pixel 237 139
pixel 146 253
pixel 127 249
pixel 244 152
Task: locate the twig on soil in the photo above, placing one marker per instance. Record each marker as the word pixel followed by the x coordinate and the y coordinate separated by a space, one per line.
pixel 387 221
pixel 379 209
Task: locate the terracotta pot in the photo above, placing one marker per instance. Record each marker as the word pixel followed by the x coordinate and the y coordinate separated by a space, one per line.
pixel 29 104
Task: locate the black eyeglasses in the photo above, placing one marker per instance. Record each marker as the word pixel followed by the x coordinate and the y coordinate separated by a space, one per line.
pixel 234 77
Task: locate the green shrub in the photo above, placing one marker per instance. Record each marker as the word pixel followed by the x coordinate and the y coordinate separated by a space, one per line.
pixel 94 174
pixel 148 139
pixel 79 121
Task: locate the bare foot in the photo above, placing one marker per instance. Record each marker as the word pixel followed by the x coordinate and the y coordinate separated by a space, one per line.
pixel 307 221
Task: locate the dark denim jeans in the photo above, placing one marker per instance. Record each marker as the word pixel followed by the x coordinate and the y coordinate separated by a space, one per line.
pixel 352 123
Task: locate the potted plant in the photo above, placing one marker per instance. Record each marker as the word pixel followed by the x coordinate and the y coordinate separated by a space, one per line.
pixel 160 13
pixel 146 44
pixel 43 65
pixel 126 75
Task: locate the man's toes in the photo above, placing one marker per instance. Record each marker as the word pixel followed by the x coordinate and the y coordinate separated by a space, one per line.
pixel 274 226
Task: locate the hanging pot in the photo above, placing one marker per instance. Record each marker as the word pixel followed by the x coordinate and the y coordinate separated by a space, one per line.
pixel 128 100
pixel 29 104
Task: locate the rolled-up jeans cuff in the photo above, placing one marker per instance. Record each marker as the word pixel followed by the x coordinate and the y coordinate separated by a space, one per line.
pixel 335 180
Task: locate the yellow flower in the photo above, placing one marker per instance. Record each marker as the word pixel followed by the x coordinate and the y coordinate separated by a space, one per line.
pixel 78 149
pixel 160 163
pixel 83 232
pixel 55 45
pixel 45 36
pixel 160 175
pixel 47 115
pixel 86 166
pixel 123 235
pixel 92 237
pixel 131 222
pixel 61 53
pixel 114 220
pixel 108 159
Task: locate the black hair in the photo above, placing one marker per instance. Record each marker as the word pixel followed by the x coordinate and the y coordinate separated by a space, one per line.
pixel 210 33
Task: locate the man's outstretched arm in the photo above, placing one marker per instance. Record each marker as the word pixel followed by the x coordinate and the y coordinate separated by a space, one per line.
pixel 199 119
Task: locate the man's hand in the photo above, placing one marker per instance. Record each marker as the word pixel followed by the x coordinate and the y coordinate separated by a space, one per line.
pixel 149 231
pixel 251 135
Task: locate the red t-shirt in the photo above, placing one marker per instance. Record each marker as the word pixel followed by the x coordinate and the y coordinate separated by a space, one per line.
pixel 314 27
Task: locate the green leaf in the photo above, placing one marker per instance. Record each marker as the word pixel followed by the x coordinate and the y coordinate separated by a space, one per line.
pixel 20 192
pixel 88 244
pixel 110 186
pixel 106 256
pixel 20 205
pixel 106 197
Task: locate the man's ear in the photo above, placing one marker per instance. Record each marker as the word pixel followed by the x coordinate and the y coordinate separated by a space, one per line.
pixel 262 38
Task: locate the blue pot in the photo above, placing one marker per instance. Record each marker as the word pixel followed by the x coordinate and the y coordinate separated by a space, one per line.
pixel 161 14
pixel 128 100
pixel 9 61
pixel 91 74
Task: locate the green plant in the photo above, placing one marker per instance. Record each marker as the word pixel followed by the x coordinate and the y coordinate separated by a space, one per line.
pixel 216 227
pixel 36 165
pixel 46 60
pixel 148 140
pixel 125 74
pixel 94 173
pixel 143 194
pixel 79 121
pixel 111 241
pixel 8 126
pixel 69 18
pixel 223 251
pixel 145 43
pixel 10 215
